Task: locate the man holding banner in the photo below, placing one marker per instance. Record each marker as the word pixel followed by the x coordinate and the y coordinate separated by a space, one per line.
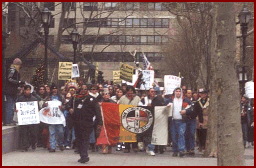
pixel 130 99
pixel 28 132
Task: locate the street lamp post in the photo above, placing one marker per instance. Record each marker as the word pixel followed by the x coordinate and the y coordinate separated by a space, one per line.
pixel 46 19
pixel 75 37
pixel 244 18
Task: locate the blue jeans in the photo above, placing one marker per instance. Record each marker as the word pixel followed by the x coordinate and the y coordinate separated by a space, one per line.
pixel 151 147
pixel 10 102
pixel 69 134
pixel 190 134
pixel 178 135
pixel 244 130
pixel 56 129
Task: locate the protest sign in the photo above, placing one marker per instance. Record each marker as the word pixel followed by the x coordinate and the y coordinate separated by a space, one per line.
pixel 52 114
pixel 160 129
pixel 27 113
pixel 126 72
pixel 170 83
pixel 148 79
pixel 116 77
pixel 249 89
pixel 65 71
pixel 75 71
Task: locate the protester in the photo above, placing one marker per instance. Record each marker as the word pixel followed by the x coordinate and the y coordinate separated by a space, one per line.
pixel 43 132
pixel 56 129
pixel 181 108
pixel 246 111
pixel 82 109
pixel 130 99
pixel 191 124
pixel 201 107
pixel 96 93
pixel 28 133
pixel 105 147
pixel 11 89
pixel 69 133
pixel 118 95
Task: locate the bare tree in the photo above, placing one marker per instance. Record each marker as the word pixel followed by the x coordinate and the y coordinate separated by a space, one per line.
pixel 188 51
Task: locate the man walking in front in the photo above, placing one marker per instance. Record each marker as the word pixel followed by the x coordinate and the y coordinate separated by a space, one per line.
pixel 181 108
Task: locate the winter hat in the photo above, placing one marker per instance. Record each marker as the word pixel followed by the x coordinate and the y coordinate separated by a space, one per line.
pixel 17 61
pixel 53 86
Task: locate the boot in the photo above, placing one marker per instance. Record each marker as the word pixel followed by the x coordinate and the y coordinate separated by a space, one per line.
pixel 104 149
pixel 109 149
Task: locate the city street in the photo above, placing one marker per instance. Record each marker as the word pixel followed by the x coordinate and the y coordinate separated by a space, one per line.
pixel 42 157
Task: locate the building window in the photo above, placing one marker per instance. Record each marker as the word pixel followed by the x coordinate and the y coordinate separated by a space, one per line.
pixel 121 22
pixel 130 22
pixel 50 5
pixel 126 40
pixel 91 23
pixel 73 6
pixel 136 22
pixel 110 5
pixel 90 6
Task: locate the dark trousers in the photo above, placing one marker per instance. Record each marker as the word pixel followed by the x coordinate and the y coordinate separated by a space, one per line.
pixel 250 134
pixel 41 127
pixel 128 145
pixel 28 135
pixel 201 134
pixel 82 139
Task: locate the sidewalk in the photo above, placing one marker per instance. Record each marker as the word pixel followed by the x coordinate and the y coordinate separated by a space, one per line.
pixel 42 157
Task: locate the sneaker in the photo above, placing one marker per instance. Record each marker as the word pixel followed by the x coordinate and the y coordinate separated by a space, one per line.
pixel 51 150
pixel 151 153
pixel 67 147
pixel 141 146
pixel 83 160
pixel 175 154
pixel 181 154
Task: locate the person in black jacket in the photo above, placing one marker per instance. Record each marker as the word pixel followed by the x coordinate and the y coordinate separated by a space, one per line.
pixel 11 89
pixel 28 133
pixel 83 108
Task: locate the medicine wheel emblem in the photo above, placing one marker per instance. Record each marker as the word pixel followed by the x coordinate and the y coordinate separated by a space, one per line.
pixel 136 119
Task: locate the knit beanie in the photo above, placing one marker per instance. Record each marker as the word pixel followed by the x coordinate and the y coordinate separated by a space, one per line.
pixel 17 61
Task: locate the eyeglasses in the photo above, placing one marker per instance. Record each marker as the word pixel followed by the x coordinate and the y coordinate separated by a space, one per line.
pixel 72 89
pixel 106 93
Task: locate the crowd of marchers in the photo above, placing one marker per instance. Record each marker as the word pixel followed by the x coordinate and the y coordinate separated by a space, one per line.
pixel 187 127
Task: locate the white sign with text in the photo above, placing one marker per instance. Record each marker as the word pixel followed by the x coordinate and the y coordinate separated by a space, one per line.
pixel 27 113
pixel 170 83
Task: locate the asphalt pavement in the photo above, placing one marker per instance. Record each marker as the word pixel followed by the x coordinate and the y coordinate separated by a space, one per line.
pixel 41 157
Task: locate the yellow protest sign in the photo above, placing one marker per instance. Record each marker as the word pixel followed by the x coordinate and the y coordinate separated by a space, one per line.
pixel 65 71
pixel 126 72
pixel 116 77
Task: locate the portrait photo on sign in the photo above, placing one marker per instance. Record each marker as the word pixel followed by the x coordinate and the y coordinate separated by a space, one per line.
pixel 75 71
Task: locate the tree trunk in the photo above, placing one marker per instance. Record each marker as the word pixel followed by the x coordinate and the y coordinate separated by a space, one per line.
pixel 211 139
pixel 229 133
